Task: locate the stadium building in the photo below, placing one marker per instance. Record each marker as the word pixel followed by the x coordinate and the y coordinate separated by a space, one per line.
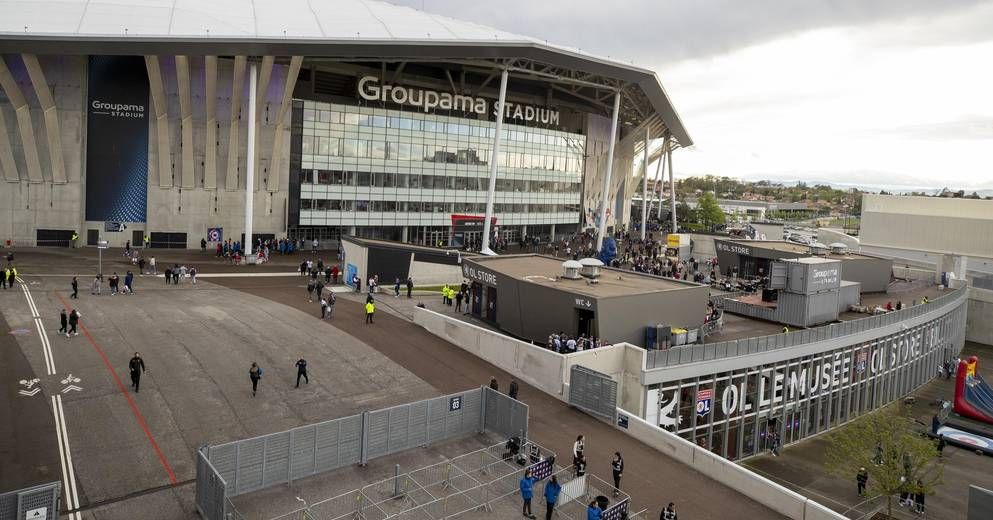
pixel 317 119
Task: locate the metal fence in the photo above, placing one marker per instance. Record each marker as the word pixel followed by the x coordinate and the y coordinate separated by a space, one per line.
pixel 593 392
pixel 707 352
pixel 41 502
pixel 239 467
pixel 479 481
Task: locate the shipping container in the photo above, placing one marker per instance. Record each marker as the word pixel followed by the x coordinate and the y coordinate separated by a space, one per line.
pixel 812 275
pixel 849 294
pixel 807 310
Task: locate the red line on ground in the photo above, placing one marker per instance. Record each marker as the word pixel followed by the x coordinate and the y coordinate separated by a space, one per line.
pixel 127 396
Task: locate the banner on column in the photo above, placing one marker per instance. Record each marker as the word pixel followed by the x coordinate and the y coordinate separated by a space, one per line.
pixel 117 139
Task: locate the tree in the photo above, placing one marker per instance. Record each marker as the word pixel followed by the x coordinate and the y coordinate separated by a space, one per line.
pixel 886 445
pixel 710 213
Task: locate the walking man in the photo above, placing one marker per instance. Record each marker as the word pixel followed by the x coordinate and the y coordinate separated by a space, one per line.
pixel 64 319
pixel 410 286
pixel 527 492
pixel 128 281
pixel 617 468
pixel 370 309
pixel 396 288
pixel 137 367
pixel 552 490
pixel 302 371
pixel 73 321
pixel 862 478
pixel 151 263
pixel 75 289
pixel 512 391
pixel 255 373
pixel 458 301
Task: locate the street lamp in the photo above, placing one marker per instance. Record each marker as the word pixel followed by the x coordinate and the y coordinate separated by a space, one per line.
pixel 101 245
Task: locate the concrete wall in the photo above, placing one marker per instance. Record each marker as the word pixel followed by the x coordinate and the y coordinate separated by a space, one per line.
pixel 359 257
pixel 426 273
pixel 756 487
pixel 31 206
pixel 703 246
pixel 539 367
pixel 873 273
pixel 979 323
pixel 951 226
pixel 28 206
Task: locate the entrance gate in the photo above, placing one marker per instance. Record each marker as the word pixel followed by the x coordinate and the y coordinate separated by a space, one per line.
pixel 35 503
pixel 593 392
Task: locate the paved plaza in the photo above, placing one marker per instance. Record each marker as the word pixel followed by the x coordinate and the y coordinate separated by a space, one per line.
pixel 132 453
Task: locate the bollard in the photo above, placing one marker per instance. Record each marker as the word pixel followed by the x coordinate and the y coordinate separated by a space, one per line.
pixel 396 481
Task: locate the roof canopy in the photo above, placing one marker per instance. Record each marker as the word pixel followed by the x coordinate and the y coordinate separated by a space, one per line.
pixel 345 29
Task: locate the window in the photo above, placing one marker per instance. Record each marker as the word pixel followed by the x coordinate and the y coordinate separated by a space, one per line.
pixel 351 119
pixel 305 203
pixel 308 114
pixel 363 179
pixel 308 145
pixel 323 177
pixel 400 152
pixel 378 150
pixel 321 204
pixel 305 176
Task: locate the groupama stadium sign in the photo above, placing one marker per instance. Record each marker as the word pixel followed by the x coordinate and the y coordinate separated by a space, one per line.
pixel 427 100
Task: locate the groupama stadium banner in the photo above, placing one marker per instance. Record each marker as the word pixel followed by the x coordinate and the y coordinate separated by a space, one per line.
pixel 117 139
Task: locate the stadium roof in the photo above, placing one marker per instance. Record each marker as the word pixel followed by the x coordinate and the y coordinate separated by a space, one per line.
pixel 347 29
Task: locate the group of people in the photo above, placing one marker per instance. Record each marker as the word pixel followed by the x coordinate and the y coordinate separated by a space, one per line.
pixel 178 273
pixel 564 344
pixel 450 294
pixel 255 374
pixel 318 269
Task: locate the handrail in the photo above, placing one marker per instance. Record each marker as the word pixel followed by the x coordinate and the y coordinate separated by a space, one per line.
pixel 684 354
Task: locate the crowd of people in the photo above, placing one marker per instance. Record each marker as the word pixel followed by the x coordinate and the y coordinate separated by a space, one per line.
pixel 564 344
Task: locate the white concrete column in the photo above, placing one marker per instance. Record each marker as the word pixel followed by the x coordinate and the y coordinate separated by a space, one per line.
pixel 7 164
pixel 644 187
pixel 162 142
pixel 47 103
pixel 234 145
pixel 672 182
pixel 606 177
pixel 403 234
pixel 276 169
pixel 491 194
pixel 210 135
pixel 250 160
pixel 186 177
pixel 552 235
pixel 22 111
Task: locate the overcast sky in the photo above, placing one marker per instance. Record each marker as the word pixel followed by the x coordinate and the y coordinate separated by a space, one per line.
pixel 880 92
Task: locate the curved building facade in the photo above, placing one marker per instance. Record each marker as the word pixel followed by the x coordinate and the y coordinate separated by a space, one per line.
pixel 730 397
pixel 384 126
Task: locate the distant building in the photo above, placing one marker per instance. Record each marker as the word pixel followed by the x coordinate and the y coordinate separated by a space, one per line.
pixel 753 209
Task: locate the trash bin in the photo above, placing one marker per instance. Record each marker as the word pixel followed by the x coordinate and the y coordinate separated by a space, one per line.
pixel 602 502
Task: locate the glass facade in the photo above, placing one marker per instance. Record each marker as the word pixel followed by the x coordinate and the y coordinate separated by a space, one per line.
pixel 734 413
pixel 383 170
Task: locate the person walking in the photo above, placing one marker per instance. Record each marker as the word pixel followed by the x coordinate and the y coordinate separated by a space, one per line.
pixel 95 286
pixel 11 276
pixel 617 469
pixel 396 288
pixel 410 286
pixel 75 289
pixel 151 265
pixel 527 492
pixel 129 283
pixel 593 511
pixel 494 385
pixel 310 291
pixel 861 479
pixel 302 371
pixel 64 320
pixel 669 513
pixel 458 301
pixel 370 309
pixel 512 391
pixel 552 490
pixel 255 373
pixel 73 321
pixel 3 277
pixel 137 367
pixel 324 309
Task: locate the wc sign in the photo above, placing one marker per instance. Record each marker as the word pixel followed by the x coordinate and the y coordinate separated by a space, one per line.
pixel 704 400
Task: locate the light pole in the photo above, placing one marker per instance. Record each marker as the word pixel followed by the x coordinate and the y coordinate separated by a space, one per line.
pixel 101 245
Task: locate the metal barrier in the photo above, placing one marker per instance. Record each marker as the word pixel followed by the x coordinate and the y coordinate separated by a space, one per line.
pixel 704 352
pixel 593 392
pixel 239 467
pixel 33 502
pixel 467 483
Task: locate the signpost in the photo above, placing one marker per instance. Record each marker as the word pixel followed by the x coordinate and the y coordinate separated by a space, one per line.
pixel 101 245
